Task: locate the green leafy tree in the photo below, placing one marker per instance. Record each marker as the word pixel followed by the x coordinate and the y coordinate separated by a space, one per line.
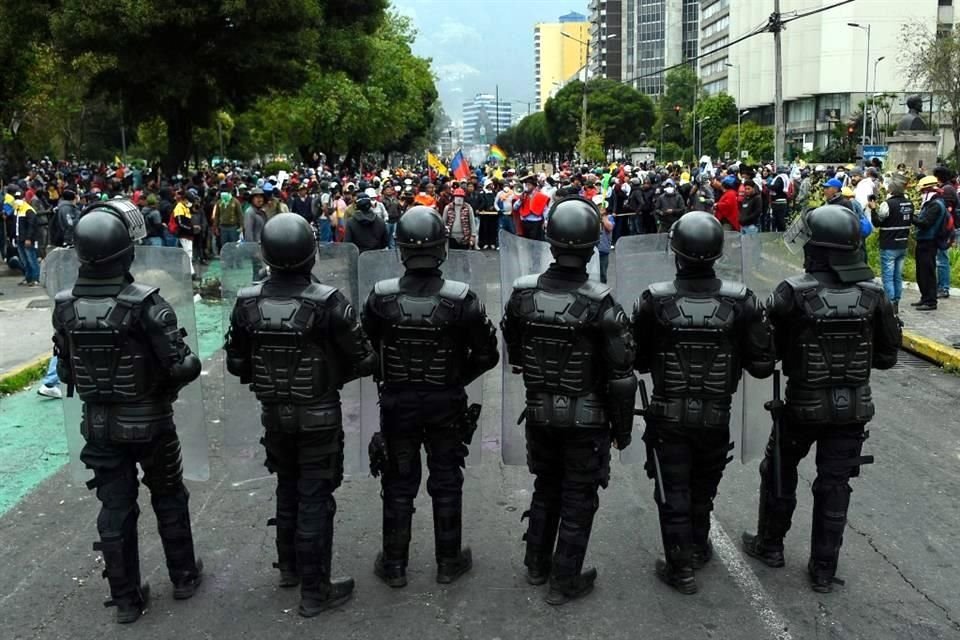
pixel 756 140
pixel 680 86
pixel 721 110
pixel 182 61
pixel 617 112
pixel 591 148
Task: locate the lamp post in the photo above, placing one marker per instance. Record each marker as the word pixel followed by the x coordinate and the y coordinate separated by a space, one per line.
pixel 662 127
pixel 740 115
pixel 699 141
pixel 873 106
pixel 733 66
pixel 866 87
pixel 586 78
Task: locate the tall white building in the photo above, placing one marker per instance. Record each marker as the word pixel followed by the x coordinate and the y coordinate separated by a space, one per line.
pixel 484 119
pixel 824 59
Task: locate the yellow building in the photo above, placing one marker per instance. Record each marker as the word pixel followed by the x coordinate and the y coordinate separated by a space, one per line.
pixel 558 57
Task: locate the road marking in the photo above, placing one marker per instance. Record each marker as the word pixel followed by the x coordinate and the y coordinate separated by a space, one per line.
pixel 249 480
pixel 748 582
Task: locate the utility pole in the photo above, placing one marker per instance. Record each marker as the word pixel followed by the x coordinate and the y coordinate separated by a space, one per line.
pixel 583 108
pixel 866 90
pixel 779 143
pixel 497 128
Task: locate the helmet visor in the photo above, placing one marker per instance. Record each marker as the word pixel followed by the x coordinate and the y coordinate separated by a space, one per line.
pixel 797 235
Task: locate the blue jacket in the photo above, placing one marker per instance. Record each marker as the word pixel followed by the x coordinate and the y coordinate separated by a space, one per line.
pixel 930 220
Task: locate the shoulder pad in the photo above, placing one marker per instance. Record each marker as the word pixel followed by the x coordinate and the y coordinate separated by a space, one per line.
pixel 319 293
pixel 527 282
pixel 253 291
pixel 663 289
pixel 871 286
pixel 387 287
pixel 802 281
pixel 594 290
pixel 136 293
pixel 731 289
pixel 454 290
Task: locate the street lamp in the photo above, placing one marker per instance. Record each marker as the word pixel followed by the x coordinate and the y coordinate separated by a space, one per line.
pixel 733 66
pixel 699 142
pixel 873 106
pixel 866 87
pixel 586 78
pixel 740 115
pixel 663 126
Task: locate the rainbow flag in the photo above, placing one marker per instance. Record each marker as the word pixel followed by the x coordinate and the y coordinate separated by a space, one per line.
pixel 497 153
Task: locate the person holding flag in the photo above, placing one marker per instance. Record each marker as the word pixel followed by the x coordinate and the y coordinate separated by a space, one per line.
pixel 460 166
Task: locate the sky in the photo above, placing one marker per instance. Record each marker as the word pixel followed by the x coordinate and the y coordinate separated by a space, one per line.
pixel 477 44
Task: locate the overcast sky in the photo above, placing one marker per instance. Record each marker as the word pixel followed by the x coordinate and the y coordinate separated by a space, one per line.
pixel 477 44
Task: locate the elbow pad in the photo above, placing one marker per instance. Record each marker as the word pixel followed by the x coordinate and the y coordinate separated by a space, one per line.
pixel 621 401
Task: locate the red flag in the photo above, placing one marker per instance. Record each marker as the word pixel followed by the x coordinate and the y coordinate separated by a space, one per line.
pixel 460 167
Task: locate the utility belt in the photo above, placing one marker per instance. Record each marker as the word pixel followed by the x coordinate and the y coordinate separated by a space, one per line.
pixel 379 453
pixel 285 417
pixel 833 405
pixel 710 413
pixel 557 410
pixel 140 422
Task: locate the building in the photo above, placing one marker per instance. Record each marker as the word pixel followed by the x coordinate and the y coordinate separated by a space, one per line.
pixel 656 34
pixel 825 63
pixel 606 31
pixel 713 68
pixel 484 119
pixel 559 51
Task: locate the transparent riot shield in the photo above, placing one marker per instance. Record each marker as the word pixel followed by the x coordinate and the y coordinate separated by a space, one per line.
pixel 169 269
pixel 242 265
pixel 473 267
pixel 767 261
pixel 644 260
pixel 520 257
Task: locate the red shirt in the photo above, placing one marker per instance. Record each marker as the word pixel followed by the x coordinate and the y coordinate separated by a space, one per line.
pixel 533 205
pixel 727 209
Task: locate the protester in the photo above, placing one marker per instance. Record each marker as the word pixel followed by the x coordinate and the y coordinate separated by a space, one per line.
pixel 931 223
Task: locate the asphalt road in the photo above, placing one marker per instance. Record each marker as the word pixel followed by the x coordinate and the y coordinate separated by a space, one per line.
pixel 898 561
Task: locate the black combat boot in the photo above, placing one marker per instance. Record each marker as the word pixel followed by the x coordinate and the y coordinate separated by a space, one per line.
pixel 540 537
pixel 121 559
pixel 391 563
pixel 568 580
pixel 318 592
pixel 452 560
pixel 173 523
pixel 767 544
pixel 677 570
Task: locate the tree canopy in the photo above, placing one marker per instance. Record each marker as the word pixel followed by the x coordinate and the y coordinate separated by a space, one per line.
pixel 757 140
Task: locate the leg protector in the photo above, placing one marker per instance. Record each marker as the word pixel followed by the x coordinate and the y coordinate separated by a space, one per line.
pixel 541 535
pixel 173 524
pixel 391 564
pixel 286 523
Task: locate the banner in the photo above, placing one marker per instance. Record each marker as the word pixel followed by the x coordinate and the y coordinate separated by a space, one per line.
pixel 435 164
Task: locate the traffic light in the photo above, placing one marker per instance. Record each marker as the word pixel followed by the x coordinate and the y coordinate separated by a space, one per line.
pixel 677 109
pixel 850 131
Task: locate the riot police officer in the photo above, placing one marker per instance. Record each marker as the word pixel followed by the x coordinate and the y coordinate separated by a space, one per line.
pixel 121 349
pixel 695 335
pixel 572 343
pixel 434 338
pixel 832 325
pixel 297 342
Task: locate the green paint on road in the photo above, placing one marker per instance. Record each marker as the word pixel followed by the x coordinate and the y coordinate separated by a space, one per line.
pixel 33 443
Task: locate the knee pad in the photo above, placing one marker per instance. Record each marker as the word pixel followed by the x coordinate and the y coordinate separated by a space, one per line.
pixel 115 522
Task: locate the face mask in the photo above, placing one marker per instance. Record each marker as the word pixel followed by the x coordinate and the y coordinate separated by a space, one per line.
pixel 528 188
pixel 669 190
pixel 458 201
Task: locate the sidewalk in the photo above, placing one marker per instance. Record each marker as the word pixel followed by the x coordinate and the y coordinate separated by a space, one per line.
pixel 932 334
pixel 25 327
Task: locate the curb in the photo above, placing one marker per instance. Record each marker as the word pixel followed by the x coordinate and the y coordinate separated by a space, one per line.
pixel 942 354
pixel 43 360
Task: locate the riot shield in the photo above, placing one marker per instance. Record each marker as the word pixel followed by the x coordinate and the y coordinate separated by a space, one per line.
pixel 241 265
pixel 645 259
pixel 475 268
pixel 169 269
pixel 767 261
pixel 520 257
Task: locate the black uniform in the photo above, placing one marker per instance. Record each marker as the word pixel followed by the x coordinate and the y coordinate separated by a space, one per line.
pixel 572 342
pixel 695 335
pixel 434 338
pixel 832 325
pixel 121 349
pixel 297 342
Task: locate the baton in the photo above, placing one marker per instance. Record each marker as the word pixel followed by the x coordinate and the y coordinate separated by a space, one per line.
pixel 775 411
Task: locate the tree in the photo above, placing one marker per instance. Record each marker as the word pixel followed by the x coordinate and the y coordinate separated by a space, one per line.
pixel 932 60
pixel 334 114
pixel 182 61
pixel 680 86
pixel 721 110
pixel 755 139
pixel 617 112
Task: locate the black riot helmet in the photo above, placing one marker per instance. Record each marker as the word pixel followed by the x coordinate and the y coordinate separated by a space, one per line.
pixel 697 237
pixel 288 244
pixel 573 231
pixel 422 238
pixel 105 234
pixel 833 227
